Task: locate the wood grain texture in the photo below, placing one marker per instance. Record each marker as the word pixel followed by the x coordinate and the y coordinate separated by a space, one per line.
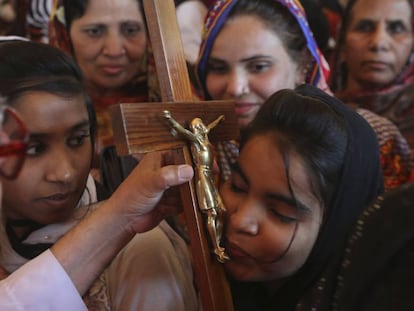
pixel 168 49
pixel 139 128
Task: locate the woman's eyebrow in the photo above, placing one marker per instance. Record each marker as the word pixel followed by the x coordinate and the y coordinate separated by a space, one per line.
pixel 79 126
pixel 256 57
pixel 235 168
pixel 290 201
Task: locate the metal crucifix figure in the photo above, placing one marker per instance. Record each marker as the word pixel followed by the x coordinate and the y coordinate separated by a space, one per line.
pixel 208 197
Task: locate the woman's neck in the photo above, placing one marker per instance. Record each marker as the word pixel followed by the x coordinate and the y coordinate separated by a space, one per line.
pixel 17 231
pixel 22 228
pixel 101 92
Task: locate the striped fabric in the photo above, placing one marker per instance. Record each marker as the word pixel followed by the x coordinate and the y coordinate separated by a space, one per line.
pixel 37 19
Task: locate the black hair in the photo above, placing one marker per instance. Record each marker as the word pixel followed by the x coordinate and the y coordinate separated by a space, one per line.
pixel 318 22
pixel 309 127
pixel 29 66
pixel 341 156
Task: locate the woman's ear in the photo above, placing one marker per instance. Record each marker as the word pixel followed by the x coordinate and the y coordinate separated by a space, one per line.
pixel 304 66
pixel 300 76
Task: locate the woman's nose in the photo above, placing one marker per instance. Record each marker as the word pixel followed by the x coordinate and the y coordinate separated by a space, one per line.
pixel 380 38
pixel 244 218
pixel 238 84
pixel 61 168
pixel 114 45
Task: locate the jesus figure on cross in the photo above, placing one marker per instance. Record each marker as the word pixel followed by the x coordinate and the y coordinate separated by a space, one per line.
pixel 209 199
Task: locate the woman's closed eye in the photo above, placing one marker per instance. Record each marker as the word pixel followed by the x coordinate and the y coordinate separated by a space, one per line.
pixel 286 216
pixel 237 183
pixel 237 188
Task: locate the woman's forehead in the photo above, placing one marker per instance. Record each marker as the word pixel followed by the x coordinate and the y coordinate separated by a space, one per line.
pixel 266 162
pixel 46 109
pixel 254 39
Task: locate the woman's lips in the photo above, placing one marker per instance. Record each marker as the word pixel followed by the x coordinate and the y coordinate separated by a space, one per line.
pixel 244 108
pixel 376 65
pixel 235 252
pixel 57 199
pixel 112 70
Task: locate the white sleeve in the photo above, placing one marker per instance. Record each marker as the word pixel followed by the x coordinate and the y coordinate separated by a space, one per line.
pixel 41 284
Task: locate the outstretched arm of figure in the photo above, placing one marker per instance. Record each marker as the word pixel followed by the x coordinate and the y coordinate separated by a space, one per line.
pixel 215 122
pixel 178 127
pixel 87 249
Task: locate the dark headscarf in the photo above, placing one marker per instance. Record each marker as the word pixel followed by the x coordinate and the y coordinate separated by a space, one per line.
pixel 360 182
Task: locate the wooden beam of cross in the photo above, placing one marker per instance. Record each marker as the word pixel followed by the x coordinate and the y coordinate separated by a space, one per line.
pixel 139 128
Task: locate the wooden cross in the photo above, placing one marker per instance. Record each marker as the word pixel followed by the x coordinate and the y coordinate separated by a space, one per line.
pixel 139 128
